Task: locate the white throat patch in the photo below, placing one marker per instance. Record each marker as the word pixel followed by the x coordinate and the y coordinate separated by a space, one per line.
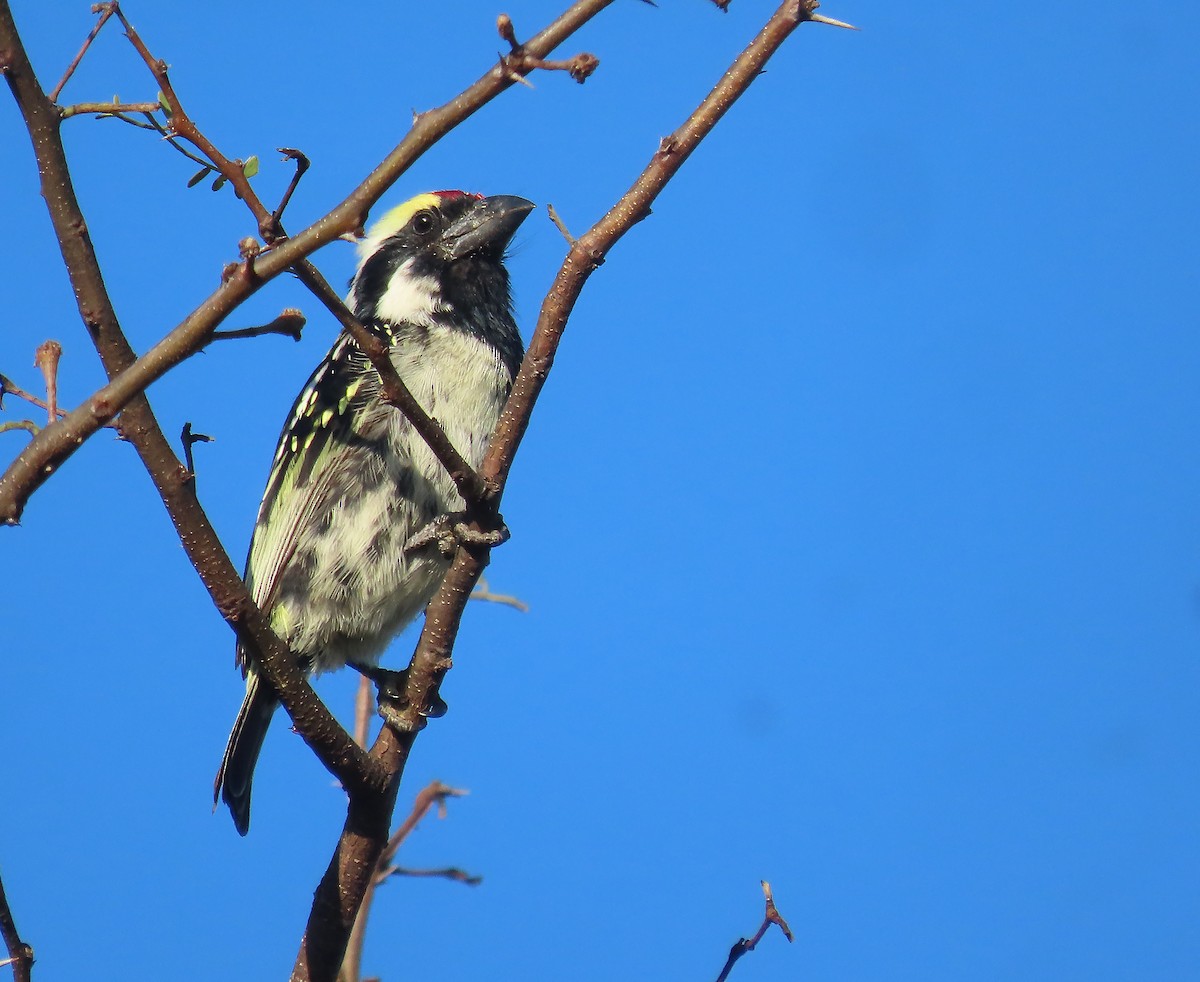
pixel 409 298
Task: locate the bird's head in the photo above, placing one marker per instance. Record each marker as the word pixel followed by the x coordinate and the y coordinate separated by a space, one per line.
pixel 438 257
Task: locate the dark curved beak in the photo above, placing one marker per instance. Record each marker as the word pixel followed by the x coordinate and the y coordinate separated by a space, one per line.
pixel 490 224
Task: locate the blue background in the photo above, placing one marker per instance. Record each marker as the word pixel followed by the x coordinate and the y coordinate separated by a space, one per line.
pixel 859 519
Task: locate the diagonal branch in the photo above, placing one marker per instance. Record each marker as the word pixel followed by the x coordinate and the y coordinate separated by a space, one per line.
pixel 588 252
pixel 174 482
pixel 55 444
pixel 105 10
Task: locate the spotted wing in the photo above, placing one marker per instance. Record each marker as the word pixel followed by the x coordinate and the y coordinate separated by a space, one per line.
pixel 327 420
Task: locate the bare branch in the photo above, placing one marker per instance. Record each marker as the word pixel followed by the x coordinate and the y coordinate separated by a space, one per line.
pixel 290 324
pixel 9 388
pixel 106 11
pixel 47 452
pixel 445 873
pixel 174 482
pixel 744 945
pixel 588 252
pixel 302 164
pixel 481 592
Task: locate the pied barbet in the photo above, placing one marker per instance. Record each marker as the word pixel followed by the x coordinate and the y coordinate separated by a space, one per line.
pixel 351 481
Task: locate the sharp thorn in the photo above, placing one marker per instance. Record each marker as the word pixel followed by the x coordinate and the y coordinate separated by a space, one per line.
pixel 822 19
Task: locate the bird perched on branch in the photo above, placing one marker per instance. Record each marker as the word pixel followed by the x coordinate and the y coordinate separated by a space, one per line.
pixel 352 482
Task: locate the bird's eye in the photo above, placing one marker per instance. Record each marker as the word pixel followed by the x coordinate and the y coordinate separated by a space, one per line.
pixel 424 222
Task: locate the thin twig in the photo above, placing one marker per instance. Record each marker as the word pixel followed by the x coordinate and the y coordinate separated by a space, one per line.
pixel 302 164
pixel 109 109
pixel 188 439
pixel 445 873
pixel 290 324
pixel 9 388
pixel 106 11
pixel 20 954
pixel 560 224
pixel 481 592
pixel 20 424
pixel 744 945
pixel 170 137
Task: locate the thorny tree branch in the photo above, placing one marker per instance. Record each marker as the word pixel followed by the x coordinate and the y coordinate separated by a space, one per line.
pixel 432 795
pixel 20 955
pixel 743 945
pixel 371 784
pixel 431 659
pixel 55 444
pixel 174 482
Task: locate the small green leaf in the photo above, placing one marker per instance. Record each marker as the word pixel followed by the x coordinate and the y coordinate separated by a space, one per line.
pixel 162 101
pixel 219 182
pixel 116 100
pixel 250 167
pixel 199 176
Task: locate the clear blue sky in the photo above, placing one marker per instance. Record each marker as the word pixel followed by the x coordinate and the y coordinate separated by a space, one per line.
pixel 860 521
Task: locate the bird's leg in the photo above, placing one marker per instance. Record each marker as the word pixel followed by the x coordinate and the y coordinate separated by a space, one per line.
pixel 390 698
pixel 452 530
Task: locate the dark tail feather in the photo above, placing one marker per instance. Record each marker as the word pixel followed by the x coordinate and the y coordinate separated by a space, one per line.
pixel 241 754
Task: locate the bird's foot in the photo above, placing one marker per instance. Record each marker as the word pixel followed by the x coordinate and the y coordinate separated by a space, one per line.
pixel 392 702
pixel 453 530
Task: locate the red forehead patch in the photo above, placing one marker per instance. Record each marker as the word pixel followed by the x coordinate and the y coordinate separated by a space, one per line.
pixel 458 194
